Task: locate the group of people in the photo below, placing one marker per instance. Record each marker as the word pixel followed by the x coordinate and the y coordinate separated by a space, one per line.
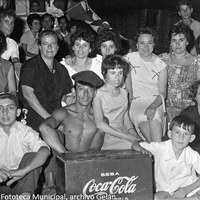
pixel 107 101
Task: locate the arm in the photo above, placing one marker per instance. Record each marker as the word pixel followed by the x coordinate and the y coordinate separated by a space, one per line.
pixel 4 175
pixel 48 132
pixel 38 160
pixel 101 124
pixel 98 140
pixel 24 46
pixel 184 191
pixel 128 84
pixel 162 88
pixel 11 81
pixel 32 100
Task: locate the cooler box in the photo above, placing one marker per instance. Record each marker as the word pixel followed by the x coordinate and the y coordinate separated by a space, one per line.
pixel 105 175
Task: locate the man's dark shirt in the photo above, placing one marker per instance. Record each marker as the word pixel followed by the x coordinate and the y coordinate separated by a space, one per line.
pixel 49 87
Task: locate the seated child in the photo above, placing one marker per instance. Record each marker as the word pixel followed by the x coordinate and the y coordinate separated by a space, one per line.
pixel 193 112
pixel 22 151
pixel 175 163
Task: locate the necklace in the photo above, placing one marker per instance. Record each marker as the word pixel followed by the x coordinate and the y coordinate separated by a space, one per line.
pixel 174 57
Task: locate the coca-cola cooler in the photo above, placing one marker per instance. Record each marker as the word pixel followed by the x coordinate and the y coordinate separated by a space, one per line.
pixel 105 175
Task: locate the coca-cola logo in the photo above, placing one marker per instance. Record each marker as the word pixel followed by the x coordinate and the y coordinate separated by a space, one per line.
pixel 120 185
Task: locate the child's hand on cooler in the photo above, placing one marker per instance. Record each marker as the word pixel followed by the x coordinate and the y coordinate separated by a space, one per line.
pixel 136 147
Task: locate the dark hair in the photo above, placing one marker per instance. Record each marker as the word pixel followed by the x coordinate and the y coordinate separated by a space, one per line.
pixel 86 35
pixel 146 30
pixel 184 2
pixel 108 35
pixel 47 32
pixel 181 28
pixel 183 122
pixel 49 16
pixel 113 62
pixel 193 89
pixel 3 43
pixel 10 96
pixel 33 17
pixel 197 45
pixel 6 13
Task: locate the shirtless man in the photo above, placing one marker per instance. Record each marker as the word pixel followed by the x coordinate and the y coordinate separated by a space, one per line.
pixel 76 120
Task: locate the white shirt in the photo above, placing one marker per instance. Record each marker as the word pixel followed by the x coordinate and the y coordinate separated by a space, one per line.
pixel 12 50
pixel 170 172
pixel 22 139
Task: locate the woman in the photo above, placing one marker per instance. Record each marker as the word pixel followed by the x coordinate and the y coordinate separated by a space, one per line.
pixel 82 42
pixel 146 82
pixel 111 101
pixel 7 75
pixel 182 67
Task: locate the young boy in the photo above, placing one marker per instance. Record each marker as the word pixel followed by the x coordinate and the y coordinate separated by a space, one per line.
pixel 22 152
pixel 175 163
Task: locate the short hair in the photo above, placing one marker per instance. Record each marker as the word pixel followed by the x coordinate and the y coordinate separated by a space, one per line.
pixel 108 35
pixel 85 34
pixel 193 89
pixel 184 2
pixel 146 30
pixel 47 32
pixel 10 96
pixel 3 43
pixel 49 16
pixel 181 28
pixel 7 13
pixel 183 122
pixel 33 17
pixel 113 62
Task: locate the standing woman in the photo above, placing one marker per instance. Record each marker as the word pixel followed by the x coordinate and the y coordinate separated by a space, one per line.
pixel 183 69
pixel 145 83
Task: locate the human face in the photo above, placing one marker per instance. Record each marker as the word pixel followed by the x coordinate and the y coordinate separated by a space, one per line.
pixel 7 25
pixel 179 43
pixel 47 23
pixel 197 98
pixel 62 25
pixel 180 137
pixel 185 12
pixel 114 77
pixel 84 94
pixel 36 26
pixel 35 7
pixel 107 48
pixel 48 47
pixel 8 112
pixel 81 48
pixel 145 45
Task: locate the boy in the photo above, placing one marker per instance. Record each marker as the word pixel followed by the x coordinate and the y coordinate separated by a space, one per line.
pixel 22 152
pixel 176 164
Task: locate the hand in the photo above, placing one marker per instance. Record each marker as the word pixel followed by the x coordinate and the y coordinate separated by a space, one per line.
pixel 132 138
pixel 150 112
pixel 180 193
pixel 4 175
pixel 69 60
pixel 17 67
pixel 136 147
pixel 16 175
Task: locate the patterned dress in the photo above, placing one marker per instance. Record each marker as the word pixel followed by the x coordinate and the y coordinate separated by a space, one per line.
pixel 180 77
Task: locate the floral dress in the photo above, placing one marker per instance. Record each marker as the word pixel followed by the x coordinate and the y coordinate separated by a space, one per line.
pixel 180 77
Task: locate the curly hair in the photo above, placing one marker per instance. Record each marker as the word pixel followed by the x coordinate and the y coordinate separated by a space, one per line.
pixel 113 62
pixel 193 90
pixel 33 17
pixel 108 35
pixel 146 30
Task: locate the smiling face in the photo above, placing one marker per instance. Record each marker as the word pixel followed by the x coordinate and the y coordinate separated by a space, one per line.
pixel 178 43
pixel 8 112
pixel 7 25
pixel 185 12
pixel 114 77
pixel 181 137
pixel 36 26
pixel 81 48
pixel 107 48
pixel 48 47
pixel 84 94
pixel 145 45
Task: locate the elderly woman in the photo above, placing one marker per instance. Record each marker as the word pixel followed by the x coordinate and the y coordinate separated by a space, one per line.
pixel 145 83
pixel 182 67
